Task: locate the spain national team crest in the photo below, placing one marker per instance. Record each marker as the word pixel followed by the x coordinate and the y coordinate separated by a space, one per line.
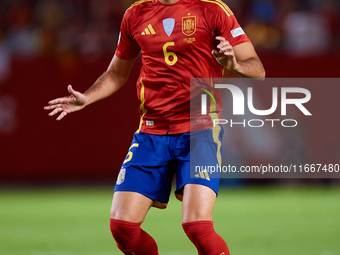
pixel 189 25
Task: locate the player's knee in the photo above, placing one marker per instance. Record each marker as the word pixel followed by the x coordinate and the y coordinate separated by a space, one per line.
pixel 124 233
pixel 197 229
pixel 131 238
pixel 204 237
pixel 196 216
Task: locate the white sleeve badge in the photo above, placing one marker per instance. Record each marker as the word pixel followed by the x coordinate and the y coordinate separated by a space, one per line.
pixel 237 32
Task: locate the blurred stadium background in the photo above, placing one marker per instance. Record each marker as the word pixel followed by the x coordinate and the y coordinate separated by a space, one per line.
pixel 56 178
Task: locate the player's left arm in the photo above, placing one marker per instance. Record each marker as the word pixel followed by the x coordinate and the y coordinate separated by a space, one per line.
pixel 241 59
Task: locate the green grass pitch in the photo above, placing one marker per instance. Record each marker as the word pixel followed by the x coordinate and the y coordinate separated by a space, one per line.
pixel 253 221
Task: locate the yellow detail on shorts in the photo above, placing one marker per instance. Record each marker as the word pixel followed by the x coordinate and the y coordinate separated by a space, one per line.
pixel 223 6
pixel 141 107
pixel 203 174
pixel 207 175
pixel 130 154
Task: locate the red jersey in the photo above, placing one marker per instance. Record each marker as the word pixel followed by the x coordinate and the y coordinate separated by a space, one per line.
pixel 176 41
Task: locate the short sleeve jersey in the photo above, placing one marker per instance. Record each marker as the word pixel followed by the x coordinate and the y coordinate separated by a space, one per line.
pixel 176 41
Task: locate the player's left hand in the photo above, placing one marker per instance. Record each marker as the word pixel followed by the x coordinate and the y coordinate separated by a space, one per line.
pixel 225 54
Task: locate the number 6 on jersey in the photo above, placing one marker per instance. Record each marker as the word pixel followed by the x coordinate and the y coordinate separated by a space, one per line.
pixel 167 54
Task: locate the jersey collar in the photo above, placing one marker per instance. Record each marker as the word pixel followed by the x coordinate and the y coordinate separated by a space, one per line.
pixel 187 1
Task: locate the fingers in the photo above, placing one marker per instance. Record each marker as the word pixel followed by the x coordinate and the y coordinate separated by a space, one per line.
pixel 215 53
pixel 58 105
pixel 220 38
pixel 62 115
pixel 50 107
pixel 65 100
pixel 56 109
pixel 224 53
pixel 224 46
pixel 62 100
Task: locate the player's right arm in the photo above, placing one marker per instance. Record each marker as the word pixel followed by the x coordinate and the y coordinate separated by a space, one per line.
pixel 108 83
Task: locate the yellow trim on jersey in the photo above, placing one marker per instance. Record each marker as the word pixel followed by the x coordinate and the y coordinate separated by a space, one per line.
pixel 224 7
pixel 212 102
pixel 216 133
pixel 217 129
pixel 142 102
pixel 139 2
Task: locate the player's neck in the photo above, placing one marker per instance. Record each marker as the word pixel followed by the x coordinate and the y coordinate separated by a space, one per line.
pixel 168 1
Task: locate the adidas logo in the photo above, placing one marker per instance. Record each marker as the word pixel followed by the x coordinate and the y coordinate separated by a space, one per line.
pixel 203 174
pixel 149 30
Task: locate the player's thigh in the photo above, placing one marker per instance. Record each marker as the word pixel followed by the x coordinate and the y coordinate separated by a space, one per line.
pixel 198 203
pixel 130 206
pixel 146 169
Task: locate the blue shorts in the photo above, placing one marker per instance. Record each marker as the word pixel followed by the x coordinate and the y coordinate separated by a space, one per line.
pixel 154 160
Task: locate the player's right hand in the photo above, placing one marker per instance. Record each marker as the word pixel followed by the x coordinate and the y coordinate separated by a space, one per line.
pixel 65 105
